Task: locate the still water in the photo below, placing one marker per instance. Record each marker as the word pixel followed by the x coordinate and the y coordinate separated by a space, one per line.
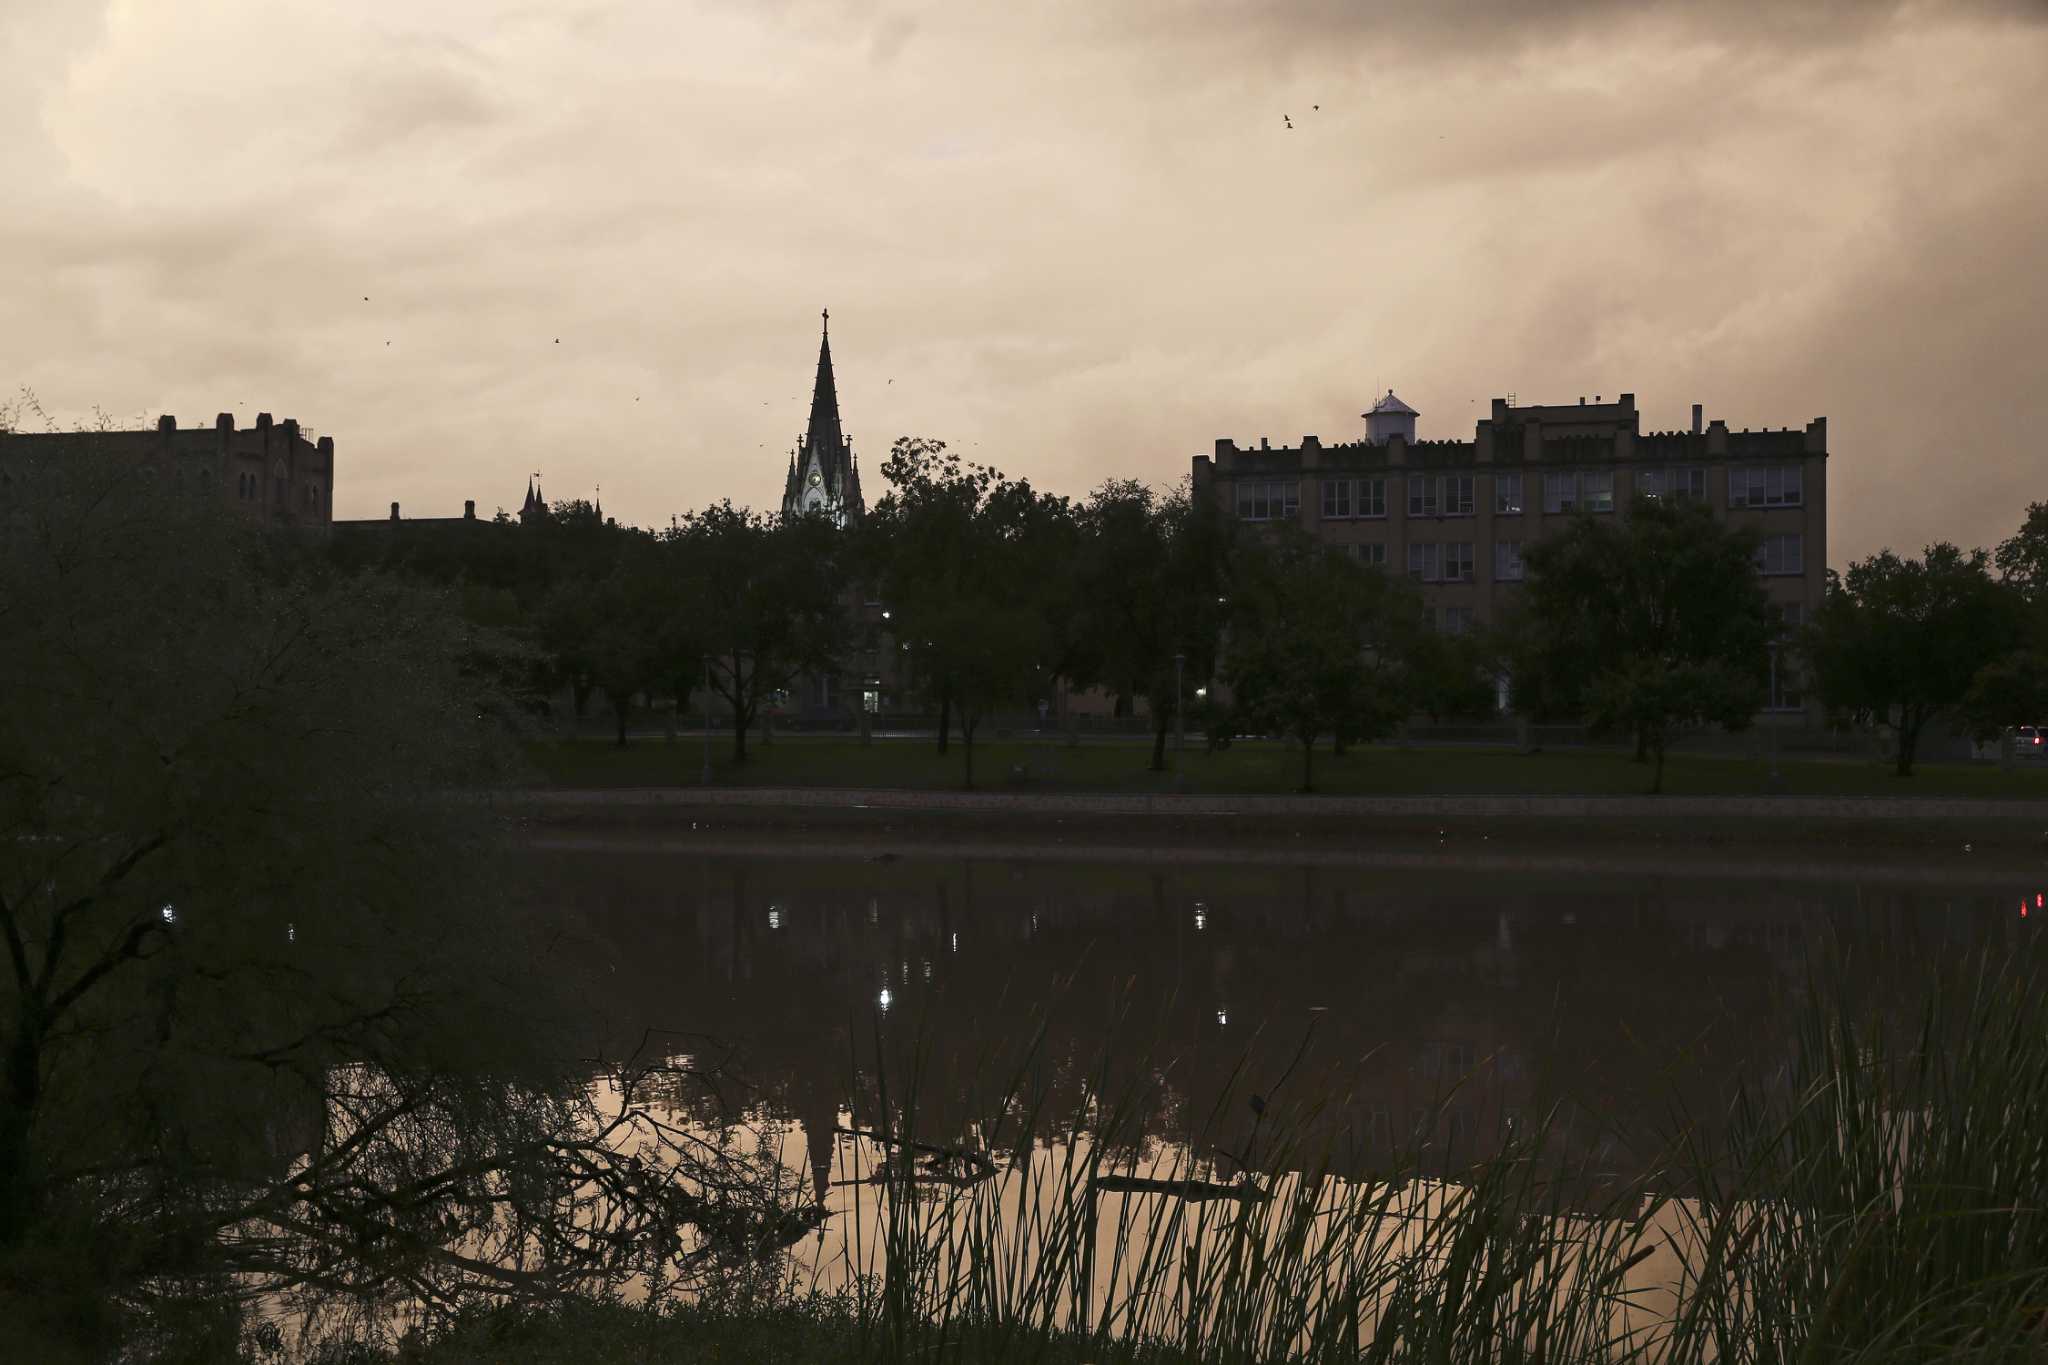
pixel 1365 1009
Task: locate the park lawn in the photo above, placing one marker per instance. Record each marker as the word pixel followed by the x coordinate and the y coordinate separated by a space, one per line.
pixel 1248 768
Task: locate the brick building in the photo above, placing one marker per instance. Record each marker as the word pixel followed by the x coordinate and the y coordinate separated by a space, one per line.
pixel 1454 515
pixel 274 472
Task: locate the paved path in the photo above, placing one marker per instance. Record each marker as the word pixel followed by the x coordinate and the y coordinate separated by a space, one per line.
pixel 1790 809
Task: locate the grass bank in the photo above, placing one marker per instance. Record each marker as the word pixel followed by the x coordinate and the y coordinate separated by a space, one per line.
pixel 1259 768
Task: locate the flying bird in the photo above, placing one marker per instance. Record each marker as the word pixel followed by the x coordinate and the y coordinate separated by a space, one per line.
pixel 1288 121
pixel 1315 106
pixel 892 381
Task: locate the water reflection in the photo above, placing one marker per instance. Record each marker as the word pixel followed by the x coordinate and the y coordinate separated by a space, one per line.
pixel 1377 1009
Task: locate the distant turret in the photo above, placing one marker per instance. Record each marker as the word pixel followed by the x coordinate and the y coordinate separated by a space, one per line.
pixel 1390 417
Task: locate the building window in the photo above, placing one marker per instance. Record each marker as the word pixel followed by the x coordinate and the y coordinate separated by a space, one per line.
pixel 1599 490
pixel 1373 552
pixel 1560 492
pixel 1457 620
pixel 1439 495
pixel 1650 483
pixel 1421 495
pixel 1268 500
pixel 1778 485
pixel 1372 498
pixel 1688 483
pixel 1507 494
pixel 1426 562
pixel 1780 554
pixel 1337 499
pixel 1458 562
pixel 1507 561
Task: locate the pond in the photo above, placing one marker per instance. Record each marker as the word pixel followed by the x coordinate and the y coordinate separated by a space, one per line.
pixel 1204 1026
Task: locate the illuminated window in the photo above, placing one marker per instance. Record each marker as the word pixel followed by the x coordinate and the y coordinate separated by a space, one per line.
pixel 1507 494
pixel 1599 490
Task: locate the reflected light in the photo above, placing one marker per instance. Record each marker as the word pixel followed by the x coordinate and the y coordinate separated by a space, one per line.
pixel 1223 1017
pixel 774 917
pixel 291 933
pixel 956 941
pixel 169 912
pixel 1201 914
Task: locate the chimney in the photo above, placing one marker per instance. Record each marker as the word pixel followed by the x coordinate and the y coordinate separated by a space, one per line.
pixel 326 448
pixel 167 424
pixel 1695 419
pixel 1582 400
pixel 262 421
pixel 469 509
pixel 225 423
pixel 1263 445
pixel 291 430
pixel 394 511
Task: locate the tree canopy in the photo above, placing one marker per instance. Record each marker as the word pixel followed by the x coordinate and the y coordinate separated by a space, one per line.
pixel 1320 645
pixel 1901 641
pixel 1646 623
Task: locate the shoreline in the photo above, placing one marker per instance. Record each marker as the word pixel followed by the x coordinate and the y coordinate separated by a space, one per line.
pixel 1929 841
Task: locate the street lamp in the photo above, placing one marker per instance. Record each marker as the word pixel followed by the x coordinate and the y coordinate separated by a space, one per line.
pixel 1777 782
pixel 1180 716
pixel 707 720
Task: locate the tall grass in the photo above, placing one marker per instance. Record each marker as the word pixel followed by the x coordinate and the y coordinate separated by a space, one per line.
pixel 1880 1199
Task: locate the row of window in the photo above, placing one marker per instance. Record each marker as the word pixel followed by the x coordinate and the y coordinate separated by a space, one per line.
pixel 1452 561
pixel 1451 495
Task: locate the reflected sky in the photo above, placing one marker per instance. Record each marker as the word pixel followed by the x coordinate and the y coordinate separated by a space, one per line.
pixel 1366 1009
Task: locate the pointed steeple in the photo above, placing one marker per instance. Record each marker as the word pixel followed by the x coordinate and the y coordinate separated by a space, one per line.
pixel 823 434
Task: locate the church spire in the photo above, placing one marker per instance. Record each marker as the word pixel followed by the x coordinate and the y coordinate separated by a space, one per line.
pixel 824 434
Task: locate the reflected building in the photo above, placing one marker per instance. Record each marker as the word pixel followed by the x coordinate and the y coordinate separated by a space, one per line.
pixel 1398 1012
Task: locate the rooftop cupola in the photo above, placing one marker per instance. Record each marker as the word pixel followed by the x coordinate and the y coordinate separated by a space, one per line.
pixel 1390 417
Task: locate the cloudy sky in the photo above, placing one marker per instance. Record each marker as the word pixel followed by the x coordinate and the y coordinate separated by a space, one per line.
pixel 1074 237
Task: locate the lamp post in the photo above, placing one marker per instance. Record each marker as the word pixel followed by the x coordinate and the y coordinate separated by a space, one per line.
pixel 707 720
pixel 1180 715
pixel 1777 782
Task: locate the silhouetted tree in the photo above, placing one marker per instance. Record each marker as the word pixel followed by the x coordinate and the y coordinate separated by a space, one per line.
pixel 1319 645
pixel 764 594
pixel 972 566
pixel 1646 624
pixel 1901 641
pixel 1149 586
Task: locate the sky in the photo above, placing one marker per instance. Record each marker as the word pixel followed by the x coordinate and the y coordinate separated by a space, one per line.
pixel 472 240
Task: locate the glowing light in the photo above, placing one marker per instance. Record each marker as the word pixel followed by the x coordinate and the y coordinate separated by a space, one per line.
pixel 1201 692
pixel 774 917
pixel 885 999
pixel 1223 1018
pixel 291 933
pixel 956 941
pixel 1201 914
pixel 169 912
pixel 885 616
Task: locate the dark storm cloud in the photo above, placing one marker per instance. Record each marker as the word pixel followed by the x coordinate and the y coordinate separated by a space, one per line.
pixel 1077 237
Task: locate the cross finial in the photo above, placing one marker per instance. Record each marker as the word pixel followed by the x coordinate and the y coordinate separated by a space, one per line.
pixel 826 314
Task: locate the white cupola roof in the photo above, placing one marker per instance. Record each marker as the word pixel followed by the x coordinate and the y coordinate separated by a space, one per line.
pixel 1393 405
